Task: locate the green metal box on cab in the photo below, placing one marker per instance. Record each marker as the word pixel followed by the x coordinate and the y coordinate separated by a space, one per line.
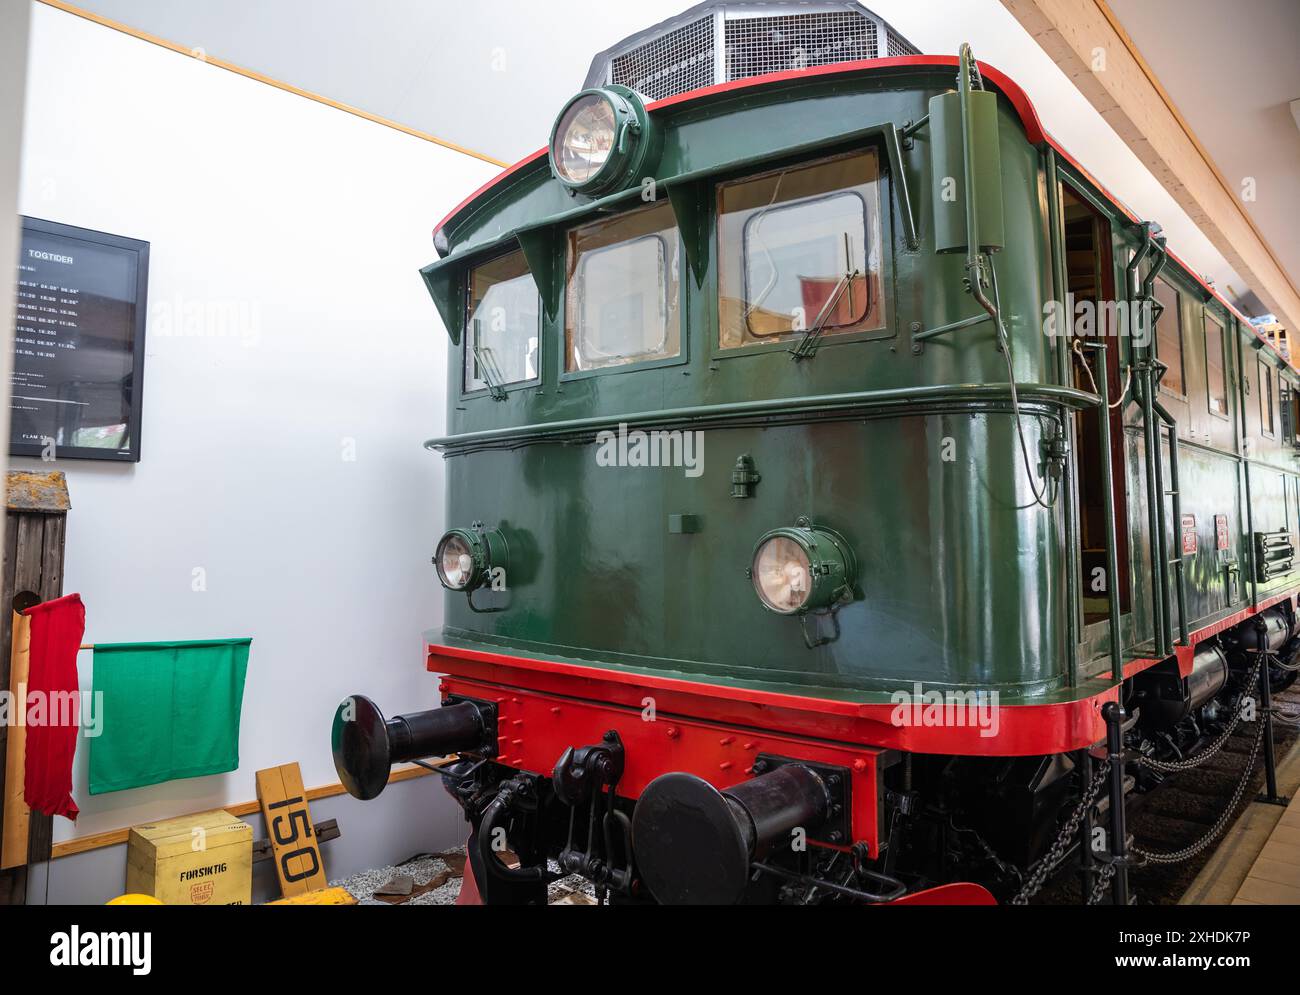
pixel 948 187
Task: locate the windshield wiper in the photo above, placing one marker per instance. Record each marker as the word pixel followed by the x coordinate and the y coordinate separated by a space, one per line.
pixel 807 346
pixel 490 373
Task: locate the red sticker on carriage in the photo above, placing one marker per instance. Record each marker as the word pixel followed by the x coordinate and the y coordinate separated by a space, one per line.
pixel 1221 530
pixel 1189 534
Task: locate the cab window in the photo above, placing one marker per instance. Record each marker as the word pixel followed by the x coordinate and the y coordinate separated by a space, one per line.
pixel 503 330
pixel 621 302
pixel 799 249
pixel 1214 367
pixel 1169 338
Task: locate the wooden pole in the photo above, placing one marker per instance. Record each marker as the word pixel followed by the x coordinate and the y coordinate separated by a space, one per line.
pixel 36 511
pixel 13 851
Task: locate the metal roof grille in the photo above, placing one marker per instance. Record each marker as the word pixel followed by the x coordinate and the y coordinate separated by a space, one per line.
pixel 678 61
pixel 758 45
pixel 898 46
pixel 756 36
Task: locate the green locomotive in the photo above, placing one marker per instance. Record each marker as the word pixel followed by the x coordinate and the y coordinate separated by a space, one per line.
pixel 827 451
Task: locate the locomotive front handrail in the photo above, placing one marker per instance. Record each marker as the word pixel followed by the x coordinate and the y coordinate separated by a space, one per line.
pixel 897 397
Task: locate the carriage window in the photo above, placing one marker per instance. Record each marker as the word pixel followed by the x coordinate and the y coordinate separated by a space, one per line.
pixel 800 249
pixel 1265 398
pixel 503 330
pixel 621 302
pixel 1214 365
pixel 1169 338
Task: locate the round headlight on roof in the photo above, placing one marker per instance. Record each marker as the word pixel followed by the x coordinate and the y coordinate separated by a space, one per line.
pixel 599 141
pixel 584 138
pixel 802 569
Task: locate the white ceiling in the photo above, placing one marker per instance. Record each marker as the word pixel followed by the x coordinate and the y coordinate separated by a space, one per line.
pixel 492 75
pixel 489 75
pixel 1232 70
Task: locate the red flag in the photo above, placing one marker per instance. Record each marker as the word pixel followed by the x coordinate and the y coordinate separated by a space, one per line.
pixel 57 628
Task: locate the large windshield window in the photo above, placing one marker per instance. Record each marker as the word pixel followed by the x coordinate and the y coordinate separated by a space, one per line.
pixel 621 302
pixel 800 248
pixel 503 331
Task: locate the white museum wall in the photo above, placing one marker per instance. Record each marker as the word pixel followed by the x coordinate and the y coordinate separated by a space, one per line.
pixel 14 21
pixel 294 365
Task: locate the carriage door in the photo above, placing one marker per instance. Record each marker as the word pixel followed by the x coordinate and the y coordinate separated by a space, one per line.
pixel 1090 279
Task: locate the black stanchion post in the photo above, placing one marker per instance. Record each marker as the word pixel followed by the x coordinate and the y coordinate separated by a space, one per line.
pixel 1270 762
pixel 1114 715
pixel 1087 866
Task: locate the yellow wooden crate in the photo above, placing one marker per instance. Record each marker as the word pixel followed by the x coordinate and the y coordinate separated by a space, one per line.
pixel 203 859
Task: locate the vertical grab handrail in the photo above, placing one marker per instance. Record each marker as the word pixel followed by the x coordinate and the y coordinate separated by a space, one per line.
pixel 1155 370
pixel 1108 485
pixel 1073 595
pixel 1155 519
pixel 1160 544
pixel 1184 636
pixel 974 257
pixel 1248 517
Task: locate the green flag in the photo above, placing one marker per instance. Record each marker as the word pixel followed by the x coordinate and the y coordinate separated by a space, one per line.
pixel 167 711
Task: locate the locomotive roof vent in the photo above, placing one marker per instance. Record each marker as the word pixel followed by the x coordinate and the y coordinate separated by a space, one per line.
pixel 720 41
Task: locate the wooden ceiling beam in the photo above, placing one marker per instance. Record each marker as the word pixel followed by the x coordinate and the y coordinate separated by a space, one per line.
pixel 1086 40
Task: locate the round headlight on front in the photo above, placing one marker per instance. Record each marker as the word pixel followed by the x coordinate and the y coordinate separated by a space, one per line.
pixel 600 140
pixel 802 569
pixel 460 560
pixel 782 574
pixel 467 559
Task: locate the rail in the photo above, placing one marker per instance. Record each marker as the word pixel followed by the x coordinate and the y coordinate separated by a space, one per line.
pixel 771 408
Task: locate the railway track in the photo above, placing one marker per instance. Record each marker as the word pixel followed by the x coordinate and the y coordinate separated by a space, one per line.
pixel 1183 810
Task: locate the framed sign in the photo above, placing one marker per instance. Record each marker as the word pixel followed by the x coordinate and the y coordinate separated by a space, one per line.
pixel 75 391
